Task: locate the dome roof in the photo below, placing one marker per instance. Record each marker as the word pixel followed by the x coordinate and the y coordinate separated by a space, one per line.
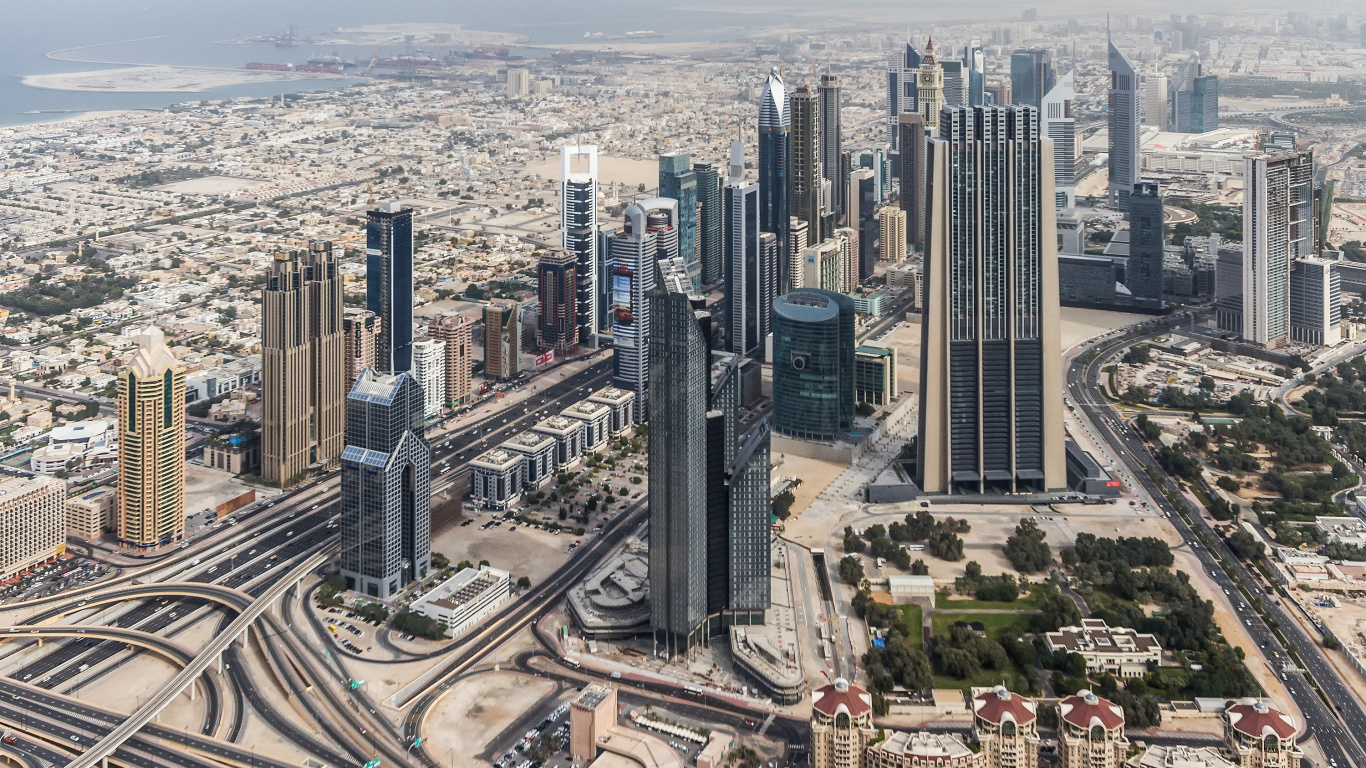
pixel 842 694
pixel 999 705
pixel 1255 718
pixel 1086 709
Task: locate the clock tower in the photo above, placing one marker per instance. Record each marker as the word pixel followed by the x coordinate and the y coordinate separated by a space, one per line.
pixel 930 89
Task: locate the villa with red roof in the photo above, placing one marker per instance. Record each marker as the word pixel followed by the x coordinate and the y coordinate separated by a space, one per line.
pixel 1007 727
pixel 1260 736
pixel 1091 733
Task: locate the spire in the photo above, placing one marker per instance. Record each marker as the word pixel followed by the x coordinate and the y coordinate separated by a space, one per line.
pixel 737 161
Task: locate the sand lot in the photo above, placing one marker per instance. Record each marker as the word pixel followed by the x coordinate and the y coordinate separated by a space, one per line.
pixel 630 173
pixel 523 552
pixel 1078 325
pixel 475 710
pixel 162 79
pixel 212 185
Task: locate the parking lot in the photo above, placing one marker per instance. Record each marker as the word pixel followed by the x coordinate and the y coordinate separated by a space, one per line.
pixel 50 578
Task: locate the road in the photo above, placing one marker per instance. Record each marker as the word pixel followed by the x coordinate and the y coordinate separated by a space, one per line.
pixel 1337 737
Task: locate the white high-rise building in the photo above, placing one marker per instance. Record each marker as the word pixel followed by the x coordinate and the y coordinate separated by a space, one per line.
pixel 648 235
pixel 1155 101
pixel 1278 228
pixel 1125 113
pixel 429 368
pixel 1315 302
pixel 579 234
pixel 1061 127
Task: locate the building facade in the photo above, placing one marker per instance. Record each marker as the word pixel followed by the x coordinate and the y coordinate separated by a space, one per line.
pixel 32 522
pixel 813 365
pixel 751 271
pixel 1315 302
pixel 557 281
pixel 831 149
pixel 502 339
pixel 1006 725
pixel 1031 76
pixel 1259 736
pixel 903 749
pixel 360 329
pixel 1278 228
pixel 912 178
pixel 711 215
pixel 806 174
pixel 1147 242
pixel 990 383
pixel 1125 94
pixel 303 364
pixel 891 234
pixel 1091 732
pixel 457 332
pixel 648 235
pixel 389 283
pixel 151 445
pixel 386 499
pixel 875 373
pixel 678 181
pixel 579 233
pixel 1118 651
pixel 429 369
pixel 1060 126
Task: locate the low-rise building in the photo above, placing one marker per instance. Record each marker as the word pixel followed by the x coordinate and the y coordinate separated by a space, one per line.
pixel 923 750
pixel 236 454
pixel 496 478
pixel 1180 756
pixel 1117 650
pixel 568 434
pixel 903 587
pixel 875 373
pixel 623 405
pixel 90 515
pixel 597 423
pixel 1260 736
pixel 32 522
pixel 591 715
pixel 538 451
pixel 459 602
pixel 1350 531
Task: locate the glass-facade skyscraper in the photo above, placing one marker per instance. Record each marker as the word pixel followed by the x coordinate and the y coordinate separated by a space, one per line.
pixel 990 376
pixel 1031 76
pixel 579 234
pixel 649 234
pixel 813 365
pixel 775 153
pixel 830 146
pixel 750 274
pixel 386 499
pixel 678 181
pixel 1147 242
pixel 1125 97
pixel 389 283
pixel 710 221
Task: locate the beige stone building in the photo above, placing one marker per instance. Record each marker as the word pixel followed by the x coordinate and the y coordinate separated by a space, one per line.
pixel 360 328
pixel 89 515
pixel 592 714
pixel 151 445
pixel 923 750
pixel 303 372
pixel 1259 736
pixel 32 522
pixel 502 339
pixel 456 330
pixel 1007 726
pixel 1091 732
pixel 1119 651
pixel 892 233
pixel 841 725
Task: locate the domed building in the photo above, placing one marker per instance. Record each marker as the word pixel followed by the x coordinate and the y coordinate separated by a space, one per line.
pixel 841 725
pixel 1260 736
pixel 1006 725
pixel 1091 732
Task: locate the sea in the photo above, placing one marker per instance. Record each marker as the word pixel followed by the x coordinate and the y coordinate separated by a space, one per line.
pixel 186 32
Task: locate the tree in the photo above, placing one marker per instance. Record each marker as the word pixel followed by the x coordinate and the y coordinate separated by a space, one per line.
pixel 852 543
pixel 524 582
pixel 851 570
pixel 1244 545
pixel 1227 483
pixel 1026 550
pixel 782 504
pixel 918 568
pixel 440 561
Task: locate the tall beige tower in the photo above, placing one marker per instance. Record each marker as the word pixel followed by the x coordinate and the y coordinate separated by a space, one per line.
pixel 361 329
pixel 151 445
pixel 303 367
pixel 502 339
pixel 841 725
pixel 930 88
pixel 1006 725
pixel 1091 733
pixel 455 329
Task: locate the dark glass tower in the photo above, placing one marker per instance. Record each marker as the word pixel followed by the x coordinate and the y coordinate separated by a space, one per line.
pixel 1031 76
pixel 912 177
pixel 775 155
pixel 990 376
pixel 710 221
pixel 386 499
pixel 1146 239
pixel 389 284
pixel 830 149
pixel 813 365
pixel 750 271
pixel 557 284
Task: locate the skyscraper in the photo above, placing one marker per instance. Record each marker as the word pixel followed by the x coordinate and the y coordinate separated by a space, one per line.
pixel 709 504
pixel 557 283
pixel 912 177
pixel 1147 242
pixel 902 78
pixel 710 222
pixel 1315 302
pixel 502 339
pixel 1155 101
pixel 457 331
pixel 579 232
pixel 1278 228
pixel 806 162
pixel 798 233
pixel 930 89
pixel 955 83
pixel 361 329
pixel 1060 126
pixel 862 215
pixel 151 445
pixel 389 283
pixel 649 234
pixel 775 155
pixel 678 181
pixel 813 365
pixel 892 234
pixel 990 380
pixel 429 370
pixel 1125 94
pixel 303 364
pixel 750 278
pixel 830 147
pixel 386 499
pixel 1031 76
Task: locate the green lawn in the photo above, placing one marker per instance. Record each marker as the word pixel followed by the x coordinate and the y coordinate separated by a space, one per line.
pixel 983 679
pixel 912 620
pixel 998 625
pixel 942 601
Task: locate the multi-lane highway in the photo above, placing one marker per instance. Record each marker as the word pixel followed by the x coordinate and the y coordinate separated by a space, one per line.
pixel 1336 730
